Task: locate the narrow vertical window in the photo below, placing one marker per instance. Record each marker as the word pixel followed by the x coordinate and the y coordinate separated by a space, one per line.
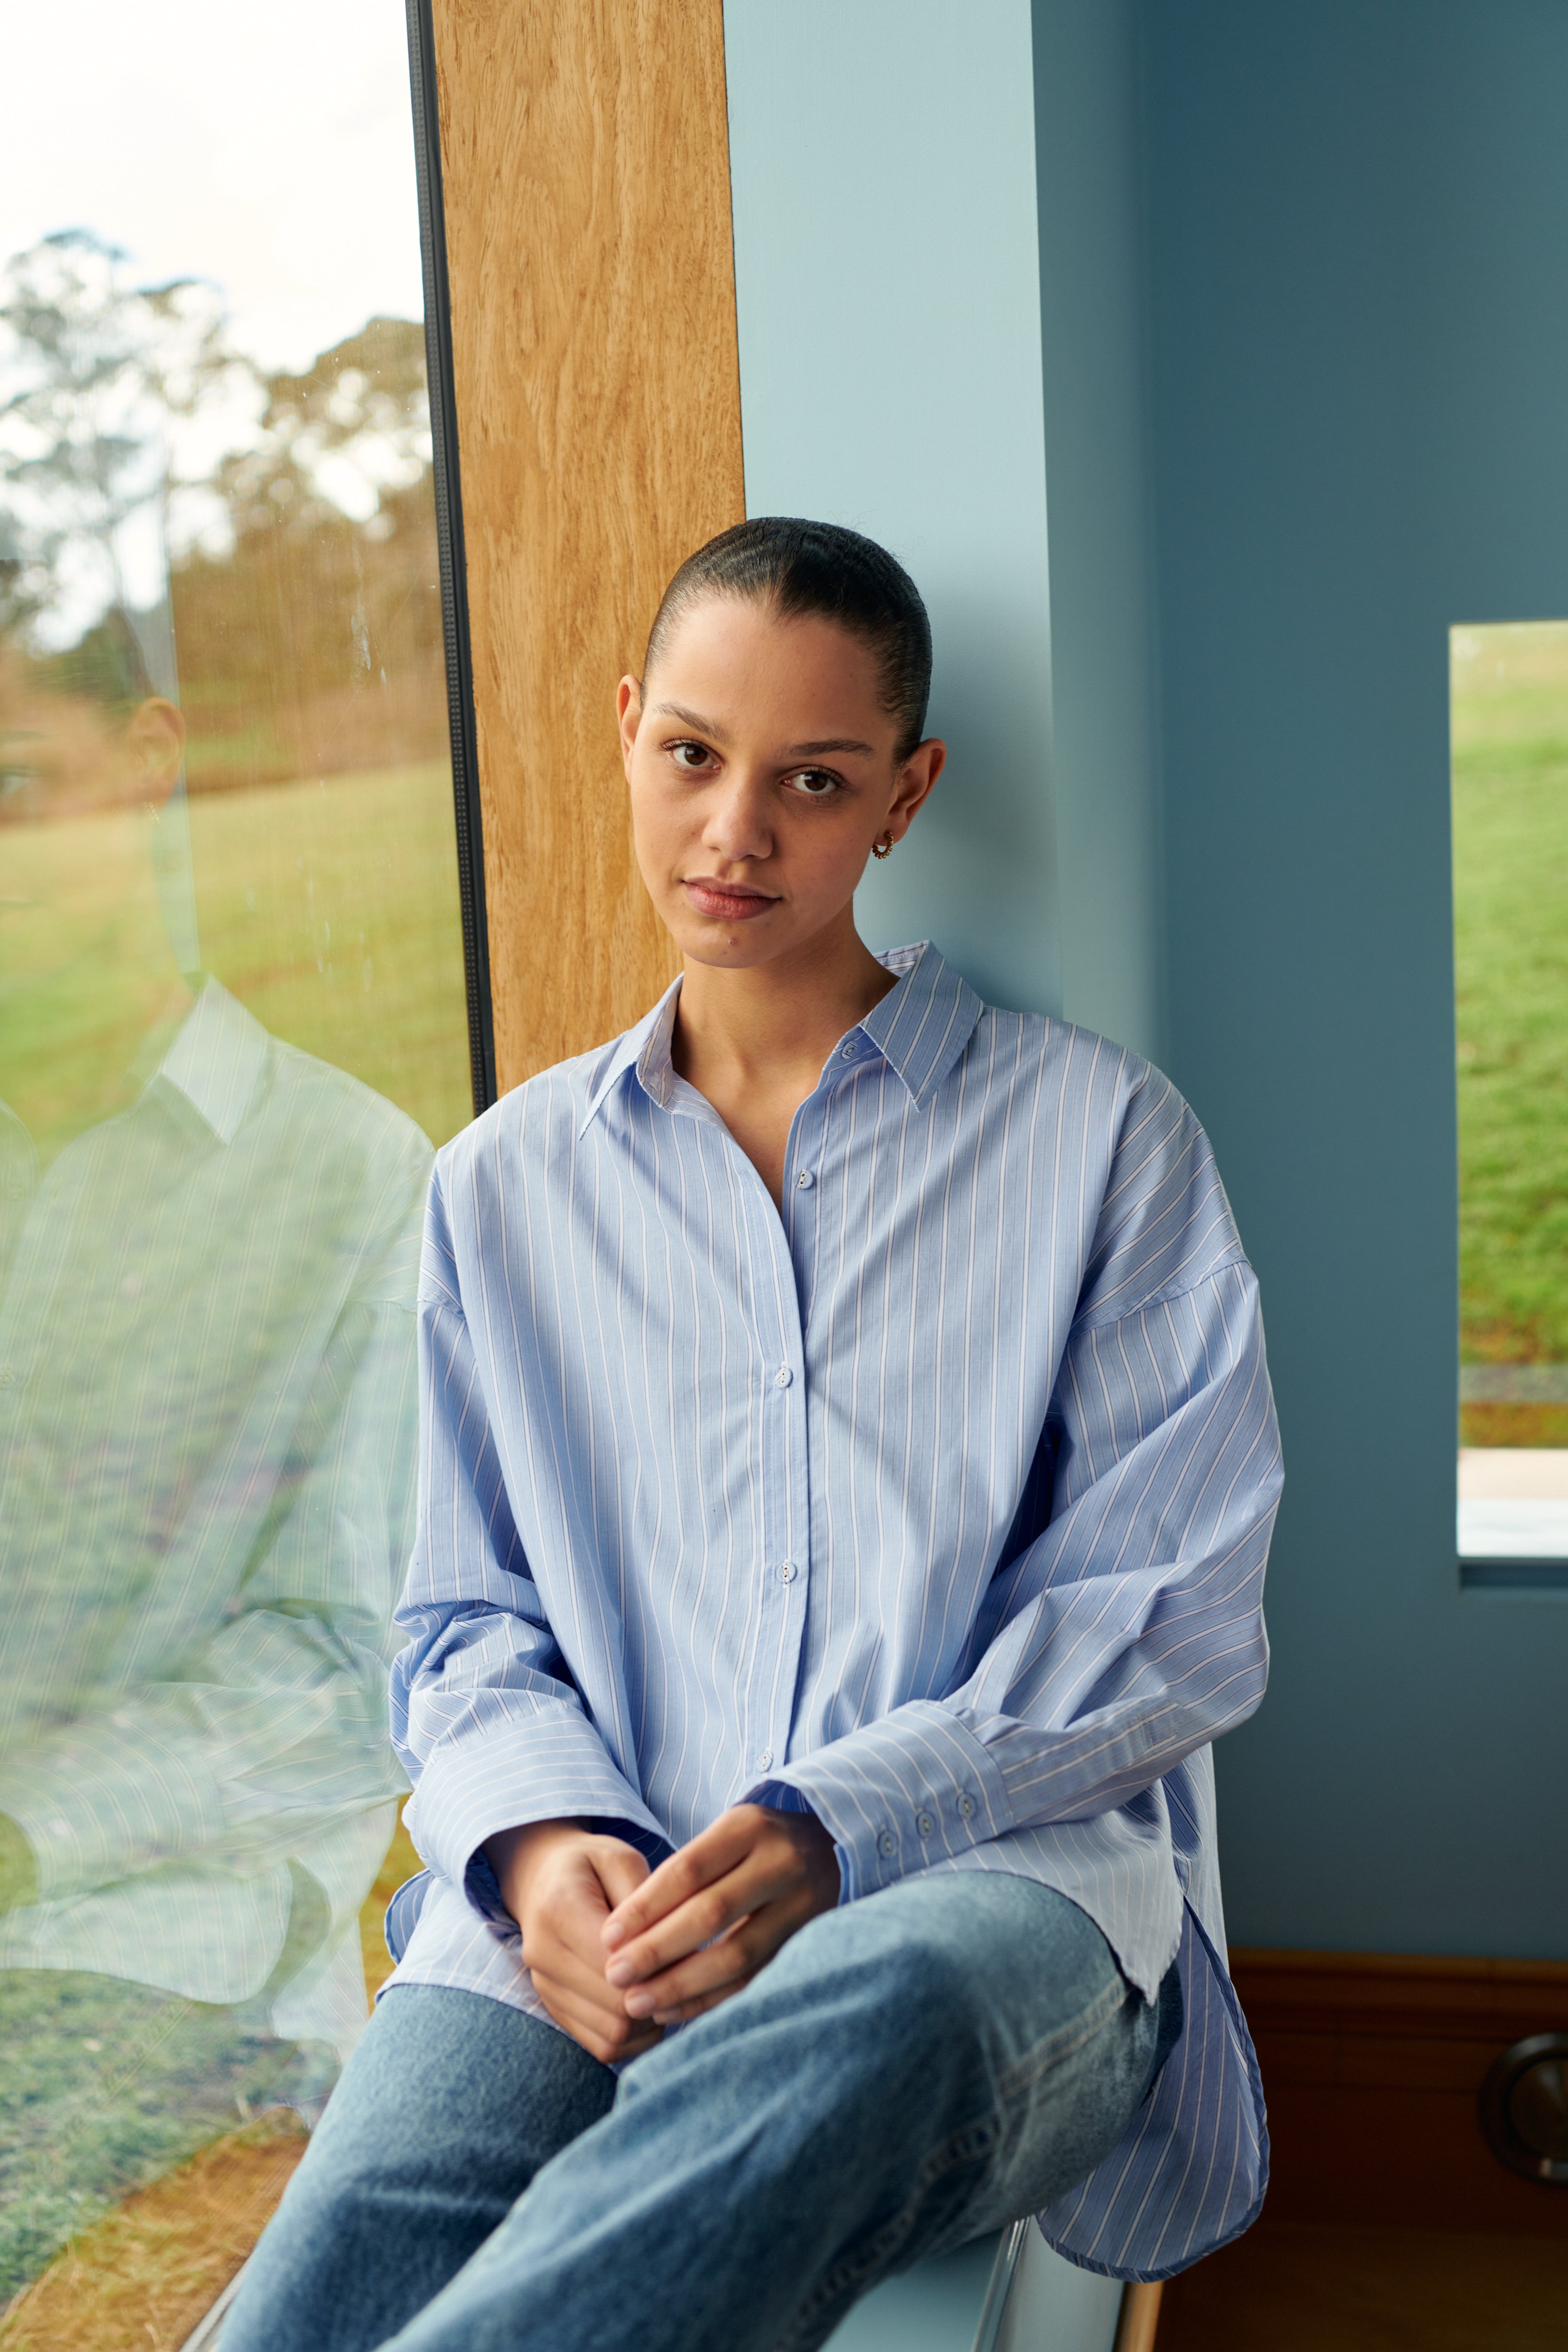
pixel 1510 733
pixel 234 1024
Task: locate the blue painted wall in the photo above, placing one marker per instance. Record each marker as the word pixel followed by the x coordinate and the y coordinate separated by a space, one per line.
pixel 1264 310
pixel 1358 272
pixel 931 205
pixel 887 284
pixel 1099 494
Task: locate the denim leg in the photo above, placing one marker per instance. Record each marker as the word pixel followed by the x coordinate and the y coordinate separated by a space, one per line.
pixel 911 2070
pixel 449 2105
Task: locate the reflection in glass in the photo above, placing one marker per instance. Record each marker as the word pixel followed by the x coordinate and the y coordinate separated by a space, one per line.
pixel 232 1021
pixel 1511 942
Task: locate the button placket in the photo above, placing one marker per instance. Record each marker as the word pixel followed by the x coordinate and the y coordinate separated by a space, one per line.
pixel 772 1667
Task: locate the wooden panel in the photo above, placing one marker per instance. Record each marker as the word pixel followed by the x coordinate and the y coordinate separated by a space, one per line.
pixel 586 160
pixel 1291 2287
pixel 1372 2067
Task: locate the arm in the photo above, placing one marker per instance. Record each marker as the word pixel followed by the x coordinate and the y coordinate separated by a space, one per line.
pixel 1117 1637
pixel 1125 1636
pixel 485 1713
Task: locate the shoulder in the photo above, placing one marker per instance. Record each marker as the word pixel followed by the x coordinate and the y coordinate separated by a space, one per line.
pixel 531 1121
pixel 1126 1140
pixel 1071 1072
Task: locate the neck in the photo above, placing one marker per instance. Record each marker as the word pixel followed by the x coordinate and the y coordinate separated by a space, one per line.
pixel 780 1019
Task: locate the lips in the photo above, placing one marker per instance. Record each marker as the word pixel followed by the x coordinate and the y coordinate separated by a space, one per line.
pixel 725 902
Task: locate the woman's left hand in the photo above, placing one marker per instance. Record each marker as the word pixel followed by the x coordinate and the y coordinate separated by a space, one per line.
pixel 704 1924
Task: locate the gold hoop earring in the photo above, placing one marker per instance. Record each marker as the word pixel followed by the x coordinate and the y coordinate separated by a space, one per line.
pixel 883 849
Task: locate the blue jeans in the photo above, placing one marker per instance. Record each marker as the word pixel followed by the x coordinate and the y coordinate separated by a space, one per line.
pixel 910 2071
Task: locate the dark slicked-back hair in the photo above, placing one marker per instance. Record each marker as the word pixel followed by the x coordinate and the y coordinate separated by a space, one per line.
pixel 818 568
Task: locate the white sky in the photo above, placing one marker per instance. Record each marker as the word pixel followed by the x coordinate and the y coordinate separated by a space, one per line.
pixel 268 147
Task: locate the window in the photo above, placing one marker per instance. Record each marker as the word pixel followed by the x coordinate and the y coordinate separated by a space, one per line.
pixel 1510 720
pixel 233 1025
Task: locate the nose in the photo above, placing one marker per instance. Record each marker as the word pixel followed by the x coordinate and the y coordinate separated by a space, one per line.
pixel 738 821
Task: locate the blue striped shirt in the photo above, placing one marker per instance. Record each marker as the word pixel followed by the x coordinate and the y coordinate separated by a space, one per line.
pixel 939 1504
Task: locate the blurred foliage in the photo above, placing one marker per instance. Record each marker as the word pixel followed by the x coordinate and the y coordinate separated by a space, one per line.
pixel 295 512
pixel 314 642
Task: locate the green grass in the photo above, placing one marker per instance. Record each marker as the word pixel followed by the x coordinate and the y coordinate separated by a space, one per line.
pixel 1510 937
pixel 330 910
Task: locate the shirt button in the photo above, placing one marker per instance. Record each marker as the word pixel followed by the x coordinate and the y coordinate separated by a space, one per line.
pixel 885 1846
pixel 848 1052
pixel 786 1573
pixel 765 1758
pixel 804 1180
pixel 966 1805
pixel 783 1376
pixel 924 1823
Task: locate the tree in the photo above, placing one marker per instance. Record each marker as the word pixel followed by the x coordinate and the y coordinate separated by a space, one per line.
pixel 98 375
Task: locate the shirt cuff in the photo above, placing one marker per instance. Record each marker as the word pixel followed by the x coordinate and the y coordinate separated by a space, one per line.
pixel 550 1767
pixel 896 1796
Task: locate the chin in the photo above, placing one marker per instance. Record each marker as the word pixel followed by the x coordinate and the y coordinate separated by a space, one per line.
pixel 730 951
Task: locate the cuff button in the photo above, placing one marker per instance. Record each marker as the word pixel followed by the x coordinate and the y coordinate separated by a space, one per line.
pixel 886 1846
pixel 924 1823
pixel 966 1805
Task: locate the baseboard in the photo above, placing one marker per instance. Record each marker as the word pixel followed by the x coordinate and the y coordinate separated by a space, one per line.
pixel 1373 2065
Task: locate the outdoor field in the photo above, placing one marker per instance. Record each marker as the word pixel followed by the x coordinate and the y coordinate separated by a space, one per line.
pixel 328 908
pixel 1510 937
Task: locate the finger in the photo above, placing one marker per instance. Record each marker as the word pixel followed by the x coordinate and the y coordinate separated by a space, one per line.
pixel 563 1942
pixel 726 1964
pixel 771 1875
pixel 609 2039
pixel 588 2007
pixel 620 1870
pixel 698 2008
pixel 708 1856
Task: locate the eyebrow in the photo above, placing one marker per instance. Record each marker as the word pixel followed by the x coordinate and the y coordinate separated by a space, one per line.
pixel 812 750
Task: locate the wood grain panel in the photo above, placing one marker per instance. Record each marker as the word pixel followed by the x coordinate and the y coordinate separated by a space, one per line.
pixel 1373 2064
pixel 585 159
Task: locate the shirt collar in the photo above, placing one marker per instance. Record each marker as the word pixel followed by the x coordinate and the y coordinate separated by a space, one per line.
pixel 919 1028
pixel 923 1026
pixel 216 1060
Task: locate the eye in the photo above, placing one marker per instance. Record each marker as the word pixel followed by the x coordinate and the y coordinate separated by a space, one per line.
pixel 815 783
pixel 690 757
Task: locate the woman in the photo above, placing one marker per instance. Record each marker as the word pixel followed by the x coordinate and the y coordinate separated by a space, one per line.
pixel 847 1471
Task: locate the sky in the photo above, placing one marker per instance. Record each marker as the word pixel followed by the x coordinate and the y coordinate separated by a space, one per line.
pixel 270 150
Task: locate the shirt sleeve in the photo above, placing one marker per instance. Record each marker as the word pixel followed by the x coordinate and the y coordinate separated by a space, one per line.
pixel 1129 1631
pixel 485 1716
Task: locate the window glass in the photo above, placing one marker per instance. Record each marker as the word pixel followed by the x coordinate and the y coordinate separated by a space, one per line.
pixel 232 1027
pixel 1510 720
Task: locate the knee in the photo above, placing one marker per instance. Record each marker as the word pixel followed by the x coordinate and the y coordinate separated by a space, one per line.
pixel 909 1952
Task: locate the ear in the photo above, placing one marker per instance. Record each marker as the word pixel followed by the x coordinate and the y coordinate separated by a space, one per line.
pixel 628 716
pixel 915 782
pixel 156 738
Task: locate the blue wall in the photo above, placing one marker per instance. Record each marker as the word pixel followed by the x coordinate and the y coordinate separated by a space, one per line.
pixel 1268 307
pixel 887 281
pixel 1358 248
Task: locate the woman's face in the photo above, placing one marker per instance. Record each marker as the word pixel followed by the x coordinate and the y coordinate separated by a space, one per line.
pixel 761 770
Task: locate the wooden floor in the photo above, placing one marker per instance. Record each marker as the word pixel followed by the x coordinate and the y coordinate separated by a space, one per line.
pixel 1301 2287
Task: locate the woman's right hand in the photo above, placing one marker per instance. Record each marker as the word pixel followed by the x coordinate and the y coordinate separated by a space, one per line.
pixel 561 1882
